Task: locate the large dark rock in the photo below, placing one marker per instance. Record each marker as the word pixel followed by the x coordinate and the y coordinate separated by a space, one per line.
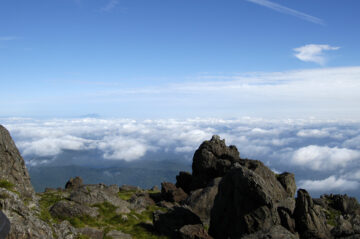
pixel 184 180
pixel 201 201
pixel 169 223
pixel 211 160
pixel 171 193
pixel 74 183
pixel 13 167
pixel 247 203
pixel 310 220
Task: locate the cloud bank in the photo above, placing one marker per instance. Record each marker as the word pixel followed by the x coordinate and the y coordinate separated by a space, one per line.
pixel 319 152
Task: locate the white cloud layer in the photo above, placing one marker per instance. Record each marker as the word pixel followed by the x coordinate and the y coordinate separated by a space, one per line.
pixel 329 184
pixel 313 53
pixel 323 158
pixel 309 147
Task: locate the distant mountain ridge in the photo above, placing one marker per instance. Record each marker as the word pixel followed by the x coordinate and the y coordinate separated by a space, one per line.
pixel 144 177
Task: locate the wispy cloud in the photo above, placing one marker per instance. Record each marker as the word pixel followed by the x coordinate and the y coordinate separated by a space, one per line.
pixel 109 6
pixel 289 11
pixel 313 53
pixel 7 38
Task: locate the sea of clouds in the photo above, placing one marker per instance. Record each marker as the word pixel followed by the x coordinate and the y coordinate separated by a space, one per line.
pixel 324 155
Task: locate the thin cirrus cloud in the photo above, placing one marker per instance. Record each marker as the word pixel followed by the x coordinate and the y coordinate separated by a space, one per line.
pixel 280 8
pixel 110 6
pixel 314 53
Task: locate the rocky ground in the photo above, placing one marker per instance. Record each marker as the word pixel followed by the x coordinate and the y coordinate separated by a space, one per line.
pixel 225 196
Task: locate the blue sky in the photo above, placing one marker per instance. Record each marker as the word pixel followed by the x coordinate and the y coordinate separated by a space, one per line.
pixel 150 59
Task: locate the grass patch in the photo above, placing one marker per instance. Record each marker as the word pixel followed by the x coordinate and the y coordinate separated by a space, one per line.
pixel 126 195
pixel 331 216
pixel 7 185
pixel 46 201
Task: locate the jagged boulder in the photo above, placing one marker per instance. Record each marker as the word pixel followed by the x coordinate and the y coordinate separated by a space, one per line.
pixel 13 167
pixel 169 223
pixel 287 180
pixel 310 220
pixel 74 183
pixel 171 193
pixel 99 193
pixel 211 160
pixel 201 201
pixel 246 203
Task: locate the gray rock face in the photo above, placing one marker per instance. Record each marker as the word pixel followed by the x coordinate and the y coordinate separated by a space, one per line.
pixel 246 203
pixel 25 223
pixel 13 166
pixel 287 180
pixel 140 201
pixel 66 209
pixel 98 193
pixel 201 201
pixel 211 160
pixel 310 221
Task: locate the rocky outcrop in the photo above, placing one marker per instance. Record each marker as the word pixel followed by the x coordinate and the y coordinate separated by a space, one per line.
pixel 13 167
pixel 246 203
pixel 211 160
pixel 201 201
pixel 90 194
pixel 310 220
pixel 74 183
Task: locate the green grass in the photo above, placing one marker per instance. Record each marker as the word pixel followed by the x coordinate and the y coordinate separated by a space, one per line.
pixel 331 216
pixel 126 195
pixel 46 201
pixel 7 185
pixel 138 225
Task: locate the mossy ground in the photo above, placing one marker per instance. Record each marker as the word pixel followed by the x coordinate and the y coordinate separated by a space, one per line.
pixel 7 185
pixel 138 225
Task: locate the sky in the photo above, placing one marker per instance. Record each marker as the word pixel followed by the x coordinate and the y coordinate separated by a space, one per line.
pixel 127 80
pixel 177 59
